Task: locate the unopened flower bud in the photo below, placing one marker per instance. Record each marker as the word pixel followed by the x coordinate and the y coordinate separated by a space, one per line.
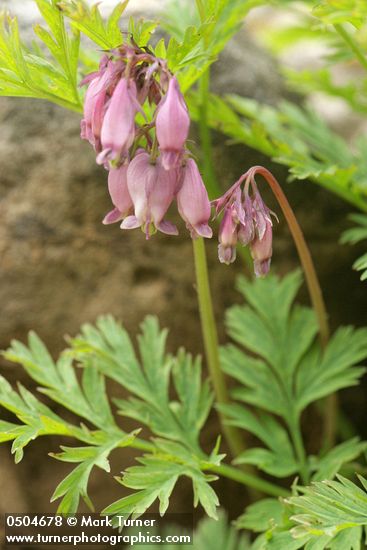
pixel 172 125
pixel 118 129
pixel 94 108
pixel 193 201
pixel 227 237
pixel 246 231
pixel 261 251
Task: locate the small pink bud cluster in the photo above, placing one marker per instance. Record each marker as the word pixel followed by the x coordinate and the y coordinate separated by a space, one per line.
pixel 246 220
pixel 148 163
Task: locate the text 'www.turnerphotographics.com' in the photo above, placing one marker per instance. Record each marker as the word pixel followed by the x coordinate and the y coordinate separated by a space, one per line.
pixel 93 529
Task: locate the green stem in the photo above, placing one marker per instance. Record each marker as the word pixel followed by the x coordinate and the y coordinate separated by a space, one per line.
pixel 210 336
pixel 295 431
pixel 225 470
pixel 249 480
pixel 352 44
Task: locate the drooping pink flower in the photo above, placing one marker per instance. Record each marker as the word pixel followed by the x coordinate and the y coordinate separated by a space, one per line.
pixel 118 128
pixel 120 196
pixel 193 201
pixel 246 230
pixel 228 231
pixel 152 190
pixel 261 214
pixel 94 108
pixel 261 250
pixel 172 125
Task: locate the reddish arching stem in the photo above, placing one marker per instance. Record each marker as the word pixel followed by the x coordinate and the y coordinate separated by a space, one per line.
pixel 317 300
pixel 302 249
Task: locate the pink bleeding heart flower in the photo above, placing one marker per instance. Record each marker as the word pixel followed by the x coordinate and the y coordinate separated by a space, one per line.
pixel 152 190
pixel 228 231
pixel 120 196
pixel 261 250
pixel 172 125
pixel 193 201
pixel 94 109
pixel 118 128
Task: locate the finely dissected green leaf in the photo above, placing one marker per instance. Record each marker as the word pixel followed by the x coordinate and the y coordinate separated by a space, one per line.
pixel 261 515
pixel 329 465
pixel 155 479
pixel 37 419
pixel 109 349
pixel 141 31
pixel 284 372
pixel 194 45
pixel 278 459
pixel 335 369
pixel 88 20
pixel 280 336
pixel 355 235
pixel 25 71
pixel 87 399
pixel 74 486
pixel 328 514
pixel 59 381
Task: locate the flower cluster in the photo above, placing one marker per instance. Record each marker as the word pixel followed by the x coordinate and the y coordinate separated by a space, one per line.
pixel 246 220
pixel 148 163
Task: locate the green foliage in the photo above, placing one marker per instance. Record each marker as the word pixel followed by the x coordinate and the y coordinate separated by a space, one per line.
pixel 194 45
pixel 355 235
pixel 86 399
pixel 342 11
pixel 106 350
pixel 107 347
pixel 329 464
pixel 282 372
pixel 26 71
pixel 325 515
pixel 261 515
pixel 30 73
pixel 88 20
pixel 325 508
pixel 218 535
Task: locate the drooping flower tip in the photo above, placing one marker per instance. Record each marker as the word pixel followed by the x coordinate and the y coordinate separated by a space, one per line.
pixel 227 237
pixel 172 125
pixel 193 202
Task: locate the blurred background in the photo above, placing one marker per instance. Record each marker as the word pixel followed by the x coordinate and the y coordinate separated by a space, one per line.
pixel 60 267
